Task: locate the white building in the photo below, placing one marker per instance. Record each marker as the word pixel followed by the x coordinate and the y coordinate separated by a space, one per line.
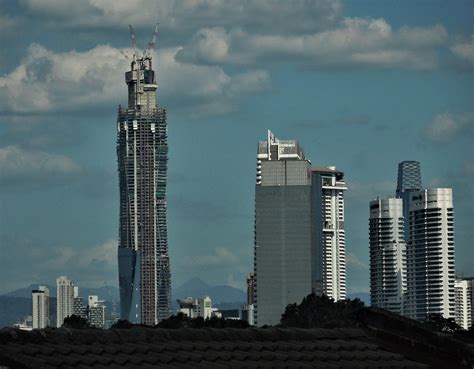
pixel 430 254
pixel 194 308
pixel 96 311
pixel 40 307
pixel 328 240
pixel 387 254
pixel 65 299
pixel 464 302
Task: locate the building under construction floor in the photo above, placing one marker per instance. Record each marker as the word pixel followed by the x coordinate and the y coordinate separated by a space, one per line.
pixel 142 153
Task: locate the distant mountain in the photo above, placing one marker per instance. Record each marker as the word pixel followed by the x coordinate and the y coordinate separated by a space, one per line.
pixel 219 295
pixel 26 291
pixel 363 296
pixel 12 309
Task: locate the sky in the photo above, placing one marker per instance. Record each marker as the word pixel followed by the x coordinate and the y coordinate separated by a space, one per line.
pixel 362 85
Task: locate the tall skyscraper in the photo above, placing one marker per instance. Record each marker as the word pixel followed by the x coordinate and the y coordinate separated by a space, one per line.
pixel 328 239
pixel 430 254
pixel 282 249
pixel 65 299
pixel 409 180
pixel 142 151
pixel 40 307
pixel 387 254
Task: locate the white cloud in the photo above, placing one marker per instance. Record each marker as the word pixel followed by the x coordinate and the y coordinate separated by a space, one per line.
pixel 464 52
pixel 220 256
pixel 46 81
pixel 180 16
pixel 355 42
pixel 355 263
pixel 21 166
pixel 69 258
pixel 448 126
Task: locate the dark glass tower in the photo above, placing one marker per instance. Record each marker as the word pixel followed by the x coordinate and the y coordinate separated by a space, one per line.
pixel 409 180
pixel 142 154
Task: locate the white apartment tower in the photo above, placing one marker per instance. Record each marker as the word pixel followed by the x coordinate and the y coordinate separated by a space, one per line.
pixel 65 299
pixel 40 307
pixel 328 234
pixel 463 302
pixel 430 254
pixel 387 254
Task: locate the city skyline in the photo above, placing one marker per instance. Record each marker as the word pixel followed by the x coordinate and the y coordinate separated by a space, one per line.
pixel 58 177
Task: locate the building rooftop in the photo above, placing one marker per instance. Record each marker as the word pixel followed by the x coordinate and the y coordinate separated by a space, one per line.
pixel 141 347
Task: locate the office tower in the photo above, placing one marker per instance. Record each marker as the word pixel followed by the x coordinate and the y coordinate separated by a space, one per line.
pixel 463 311
pixel 328 241
pixel 40 307
pixel 282 248
pixel 142 151
pixel 65 299
pixel 409 180
pixel 96 312
pixel 430 254
pixel 387 254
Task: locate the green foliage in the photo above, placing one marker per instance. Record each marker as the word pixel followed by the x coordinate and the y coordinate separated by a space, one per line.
pixel 75 322
pixel 183 321
pixel 437 322
pixel 322 312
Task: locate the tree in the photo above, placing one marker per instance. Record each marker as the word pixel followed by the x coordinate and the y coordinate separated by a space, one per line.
pixel 76 322
pixel 122 324
pixel 322 312
pixel 183 321
pixel 437 322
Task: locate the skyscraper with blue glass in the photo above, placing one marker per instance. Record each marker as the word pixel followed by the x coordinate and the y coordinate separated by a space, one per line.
pixel 142 155
pixel 409 180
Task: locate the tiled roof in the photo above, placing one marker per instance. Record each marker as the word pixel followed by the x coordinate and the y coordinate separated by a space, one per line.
pixel 208 348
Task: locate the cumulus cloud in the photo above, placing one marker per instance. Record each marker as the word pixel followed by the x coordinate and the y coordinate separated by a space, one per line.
pixel 221 256
pixel 355 42
pixel 46 81
pixel 19 166
pixel 465 53
pixel 448 126
pixel 177 16
pixel 33 260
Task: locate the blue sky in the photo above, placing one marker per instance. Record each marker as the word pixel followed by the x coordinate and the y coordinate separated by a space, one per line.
pixel 361 84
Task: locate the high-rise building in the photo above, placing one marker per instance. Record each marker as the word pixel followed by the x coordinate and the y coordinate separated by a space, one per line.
pixel 387 254
pixel 282 249
pixel 142 151
pixel 96 312
pixel 65 299
pixel 79 307
pixel 409 180
pixel 430 254
pixel 328 239
pixel 463 311
pixel 40 307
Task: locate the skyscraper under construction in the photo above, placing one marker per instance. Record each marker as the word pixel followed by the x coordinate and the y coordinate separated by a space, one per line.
pixel 142 154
